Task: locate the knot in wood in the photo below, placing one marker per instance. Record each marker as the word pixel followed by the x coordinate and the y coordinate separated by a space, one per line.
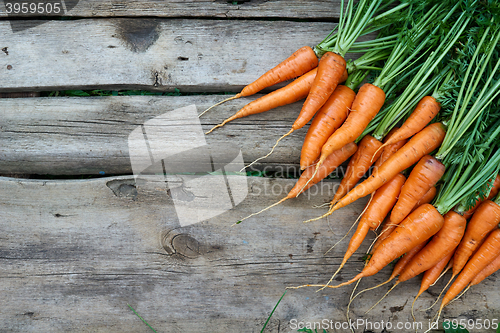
pixel 183 245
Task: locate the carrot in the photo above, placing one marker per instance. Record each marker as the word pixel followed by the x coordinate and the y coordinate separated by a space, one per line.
pixel 331 67
pixel 365 106
pixel 327 120
pixel 423 113
pixel 483 257
pixel 388 150
pixel 358 165
pixel 442 244
pixel 487 271
pixel 291 93
pixel 300 62
pixel 493 192
pixel 484 220
pixel 388 227
pixel 337 158
pixel 423 176
pixel 421 144
pixel 418 227
pixel 378 207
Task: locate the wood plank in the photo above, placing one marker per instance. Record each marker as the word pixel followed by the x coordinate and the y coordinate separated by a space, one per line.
pixel 149 54
pixel 320 9
pixel 75 253
pixel 72 136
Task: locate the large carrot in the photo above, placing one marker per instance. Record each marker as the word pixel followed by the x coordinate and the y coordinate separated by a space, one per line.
pixel 337 158
pixel 484 220
pixel 487 271
pixel 358 165
pixel 421 144
pixel 327 120
pixel 423 113
pixel 300 62
pixel 493 192
pixel 483 257
pixel 418 227
pixel 366 105
pixel 442 244
pixel 378 207
pixel 291 93
pixel 424 175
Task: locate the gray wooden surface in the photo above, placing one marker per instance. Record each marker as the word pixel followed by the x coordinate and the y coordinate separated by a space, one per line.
pixel 72 136
pixel 151 54
pixel 74 253
pixel 318 9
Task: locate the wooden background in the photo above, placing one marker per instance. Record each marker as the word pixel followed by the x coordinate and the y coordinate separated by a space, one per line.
pixel 74 251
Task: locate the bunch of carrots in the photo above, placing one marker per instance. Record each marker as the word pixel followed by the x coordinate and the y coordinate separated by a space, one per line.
pixel 424 132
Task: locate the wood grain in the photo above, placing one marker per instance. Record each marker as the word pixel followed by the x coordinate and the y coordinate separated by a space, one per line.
pixel 149 54
pixel 75 253
pixel 318 9
pixel 74 136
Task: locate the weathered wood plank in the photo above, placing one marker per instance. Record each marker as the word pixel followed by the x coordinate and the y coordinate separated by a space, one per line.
pixel 154 54
pixel 74 253
pixel 318 9
pixel 71 136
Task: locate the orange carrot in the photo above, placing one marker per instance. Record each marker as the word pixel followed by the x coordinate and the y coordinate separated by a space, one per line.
pixel 388 150
pixel 424 175
pixel 327 120
pixel 305 181
pixel 427 198
pixel 423 113
pixel 483 257
pixel 405 259
pixel 300 62
pixel 421 144
pixel 442 244
pixel 493 192
pixel 293 92
pixel 418 227
pixel 484 220
pixel 487 271
pixel 331 67
pixel 366 105
pixel 358 165
pixel 378 207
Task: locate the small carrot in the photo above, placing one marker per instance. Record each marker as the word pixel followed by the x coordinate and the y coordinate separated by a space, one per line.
pixel 337 158
pixel 483 257
pixel 327 120
pixel 300 62
pixel 378 207
pixel 484 220
pixel 424 175
pixel 423 113
pixel 493 192
pixel 291 93
pixel 358 165
pixel 421 144
pixel 418 227
pixel 487 271
pixel 388 150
